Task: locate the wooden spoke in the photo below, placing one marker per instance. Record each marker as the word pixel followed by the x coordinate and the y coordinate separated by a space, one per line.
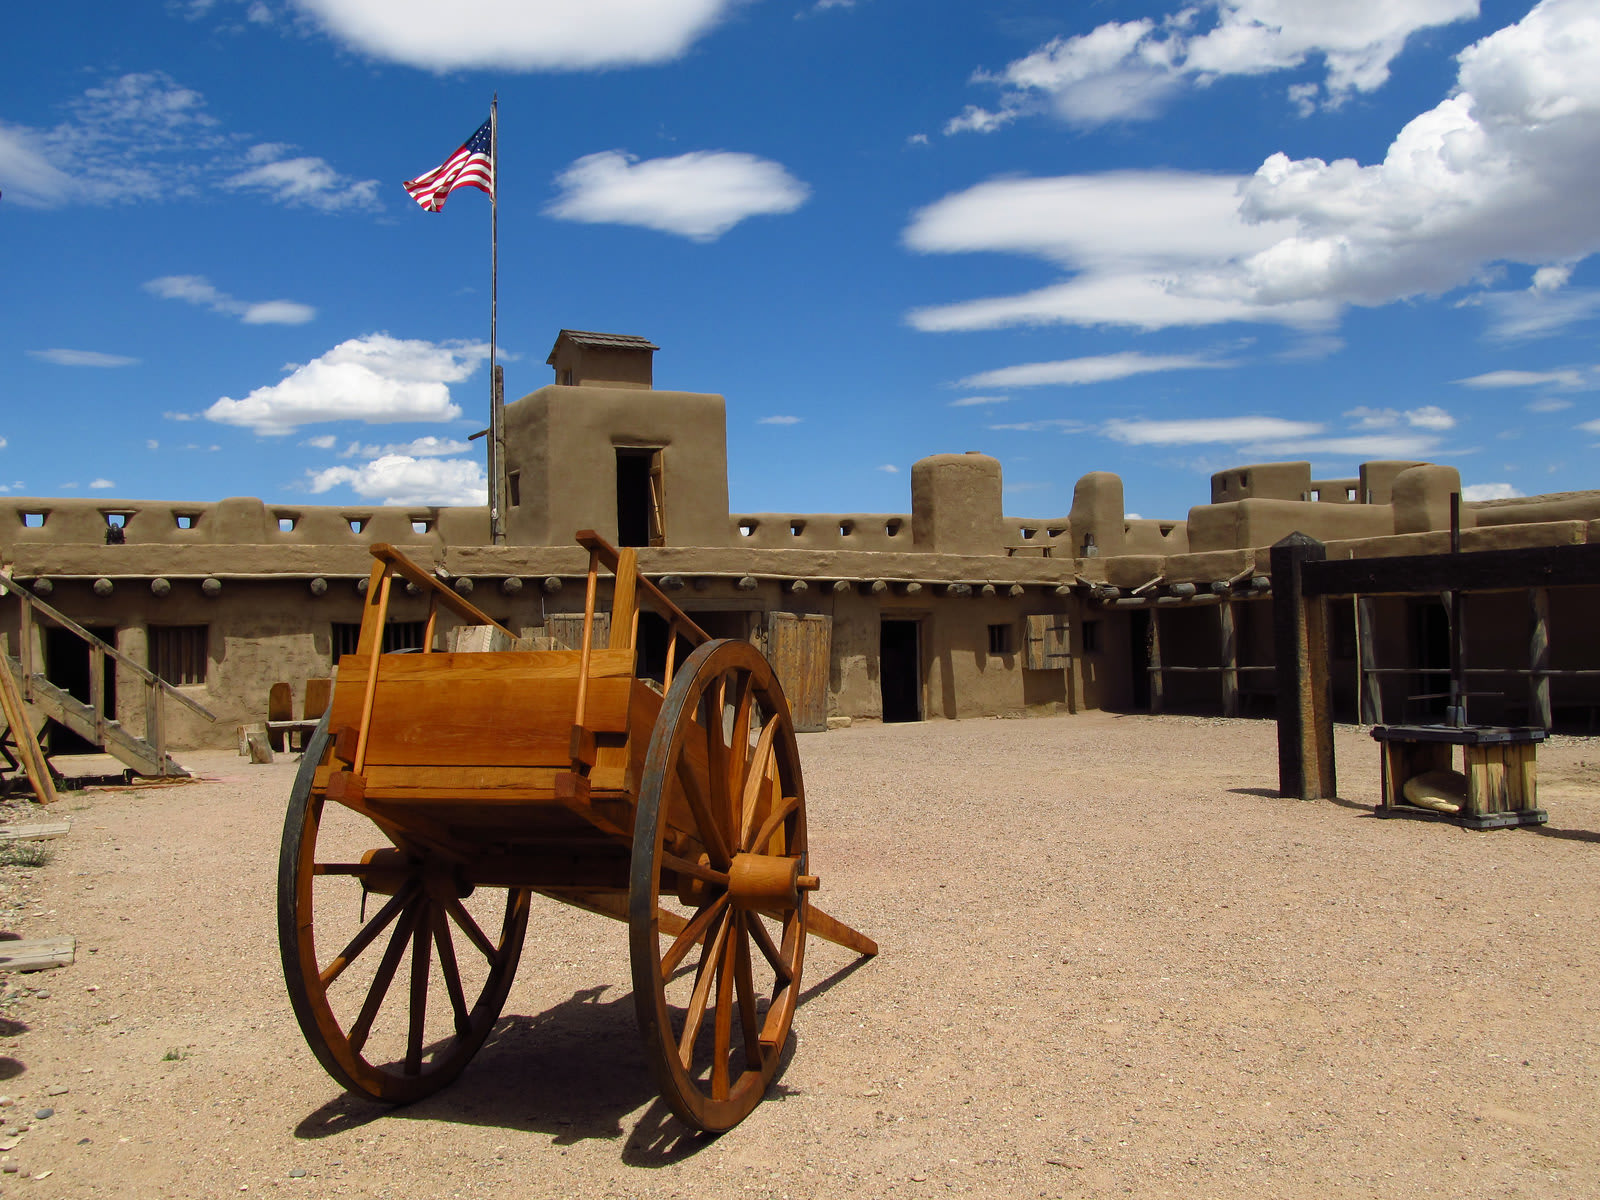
pixel 369 932
pixel 692 934
pixel 722 1030
pixel 706 825
pixel 744 980
pixel 684 867
pixel 702 992
pixel 724 699
pixel 420 959
pixel 451 971
pixel 468 926
pixel 756 783
pixel 769 951
pixel 381 981
pixel 784 811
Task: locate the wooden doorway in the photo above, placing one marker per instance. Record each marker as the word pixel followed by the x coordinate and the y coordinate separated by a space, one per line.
pixel 798 648
pixel 900 670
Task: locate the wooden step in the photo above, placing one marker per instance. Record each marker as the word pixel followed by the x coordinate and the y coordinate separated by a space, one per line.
pixel 37 831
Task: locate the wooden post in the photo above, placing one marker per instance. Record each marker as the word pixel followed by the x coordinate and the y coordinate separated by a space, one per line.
pixel 1369 686
pixel 25 647
pixel 1230 659
pixel 1158 689
pixel 155 728
pixel 1539 658
pixel 97 689
pixel 1305 693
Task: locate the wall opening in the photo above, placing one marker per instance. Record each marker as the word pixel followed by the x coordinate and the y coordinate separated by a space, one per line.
pixel 67 665
pixel 1139 657
pixel 514 489
pixel 641 517
pixel 900 671
pixel 397 635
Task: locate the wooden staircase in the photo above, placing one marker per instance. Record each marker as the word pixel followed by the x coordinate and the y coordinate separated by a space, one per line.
pixel 147 754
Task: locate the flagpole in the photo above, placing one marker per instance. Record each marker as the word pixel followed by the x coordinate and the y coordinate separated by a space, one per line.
pixel 497 429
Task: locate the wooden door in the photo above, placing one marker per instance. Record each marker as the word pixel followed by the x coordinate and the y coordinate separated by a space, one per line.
pixel 798 648
pixel 567 630
pixel 1049 645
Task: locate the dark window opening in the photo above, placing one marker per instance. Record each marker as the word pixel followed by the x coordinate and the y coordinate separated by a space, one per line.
pixel 33 520
pixel 514 487
pixel 1091 637
pixel 184 520
pixel 641 518
pixel 1000 639
pixel 1139 650
pixel 397 635
pixel 900 671
pixel 177 653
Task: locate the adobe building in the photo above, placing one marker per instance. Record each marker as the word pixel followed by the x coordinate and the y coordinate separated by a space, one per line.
pixel 952 610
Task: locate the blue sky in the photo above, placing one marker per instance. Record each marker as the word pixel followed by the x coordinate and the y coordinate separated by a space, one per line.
pixel 1156 239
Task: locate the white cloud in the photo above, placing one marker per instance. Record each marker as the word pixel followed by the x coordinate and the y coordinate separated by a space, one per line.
pixel 1549 404
pixel 1100 368
pixel 151 444
pixel 1500 172
pixel 3 443
pixel 308 181
pixel 82 358
pixel 401 479
pixel 974 119
pixel 1535 312
pixel 377 379
pixel 1430 416
pixel 1490 491
pixel 323 441
pixel 1564 378
pixel 101 484
pixel 519 34
pixel 975 401
pixel 197 289
pixel 779 420
pixel 422 447
pixel 890 468
pixel 1360 448
pixel 1129 239
pixel 1129 70
pixel 145 137
pixel 700 195
pixel 1200 430
pixel 1053 425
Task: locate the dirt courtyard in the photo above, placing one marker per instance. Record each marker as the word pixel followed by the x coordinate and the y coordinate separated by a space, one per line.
pixel 1114 963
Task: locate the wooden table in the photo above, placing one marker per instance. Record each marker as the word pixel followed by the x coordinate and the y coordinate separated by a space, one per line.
pixel 1498 761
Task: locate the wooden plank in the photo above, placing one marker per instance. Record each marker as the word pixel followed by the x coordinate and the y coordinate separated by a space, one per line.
pixel 1528 776
pixel 315 702
pixel 440 591
pixel 36 831
pixel 37 955
pixel 624 599
pixel 280 707
pixel 834 930
pixel 486 785
pixel 16 716
pixel 490 721
pixel 566 629
pixel 1480 570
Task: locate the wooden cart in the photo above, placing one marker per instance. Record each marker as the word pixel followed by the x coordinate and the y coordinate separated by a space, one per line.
pixel 485 777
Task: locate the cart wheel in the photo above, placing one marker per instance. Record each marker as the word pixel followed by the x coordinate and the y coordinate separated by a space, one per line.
pixel 341 961
pixel 718 888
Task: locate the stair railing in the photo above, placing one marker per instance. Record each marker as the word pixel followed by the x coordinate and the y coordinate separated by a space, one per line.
pixel 155 688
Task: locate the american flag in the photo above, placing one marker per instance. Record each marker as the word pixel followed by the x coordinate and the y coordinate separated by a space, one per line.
pixel 470 166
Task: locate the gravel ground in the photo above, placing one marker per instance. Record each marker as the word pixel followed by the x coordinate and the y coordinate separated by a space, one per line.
pixel 1114 962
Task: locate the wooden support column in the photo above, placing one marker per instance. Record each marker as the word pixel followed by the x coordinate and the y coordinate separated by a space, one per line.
pixel 1158 682
pixel 1370 687
pixel 1305 692
pixel 1539 658
pixel 1230 659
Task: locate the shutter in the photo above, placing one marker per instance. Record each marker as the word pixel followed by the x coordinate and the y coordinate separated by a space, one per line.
pixel 1049 645
pixel 658 503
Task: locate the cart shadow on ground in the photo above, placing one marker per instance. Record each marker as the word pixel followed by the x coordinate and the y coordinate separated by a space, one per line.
pixel 1274 794
pixel 572 1073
